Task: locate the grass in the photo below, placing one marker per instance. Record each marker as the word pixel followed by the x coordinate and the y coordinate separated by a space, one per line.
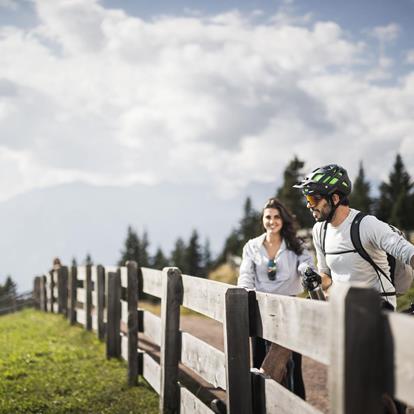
pixel 48 367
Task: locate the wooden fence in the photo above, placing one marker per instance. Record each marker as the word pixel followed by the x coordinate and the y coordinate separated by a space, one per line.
pixel 367 351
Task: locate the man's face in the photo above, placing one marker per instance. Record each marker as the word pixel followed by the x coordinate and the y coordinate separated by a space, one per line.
pixel 319 207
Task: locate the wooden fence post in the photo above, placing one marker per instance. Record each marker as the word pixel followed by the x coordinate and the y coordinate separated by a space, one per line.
pixel 113 331
pixel 43 293
pixel 62 283
pixel 356 366
pixel 171 299
pixel 51 290
pixel 36 292
pixel 132 298
pixel 100 301
pixel 237 353
pixel 73 292
pixel 88 304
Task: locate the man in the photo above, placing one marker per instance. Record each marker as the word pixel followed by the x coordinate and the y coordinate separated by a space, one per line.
pixel 327 189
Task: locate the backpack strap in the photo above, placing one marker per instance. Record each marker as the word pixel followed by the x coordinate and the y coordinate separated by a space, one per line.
pixel 356 241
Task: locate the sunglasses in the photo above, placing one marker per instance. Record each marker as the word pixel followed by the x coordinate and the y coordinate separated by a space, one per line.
pixel 271 269
pixel 313 200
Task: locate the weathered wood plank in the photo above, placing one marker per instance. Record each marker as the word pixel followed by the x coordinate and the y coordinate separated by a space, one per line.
pixel 278 399
pixel 88 303
pixel 72 294
pixel 113 337
pixel 204 359
pixel 124 311
pixel 63 290
pixel 190 404
pixel 43 293
pixel 152 326
pixel 94 323
pixel 402 333
pixel 151 281
pixel 124 276
pixel 205 296
pixel 81 272
pixel 132 322
pixel 81 295
pixel 100 301
pixel 124 347
pixel 151 371
pixel 294 323
pixel 81 317
pixel 356 368
pixel 237 352
pixel 172 294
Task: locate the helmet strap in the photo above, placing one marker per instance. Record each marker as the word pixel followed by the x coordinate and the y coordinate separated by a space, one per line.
pixel 333 208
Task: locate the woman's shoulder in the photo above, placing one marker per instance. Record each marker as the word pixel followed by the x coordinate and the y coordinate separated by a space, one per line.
pixel 256 242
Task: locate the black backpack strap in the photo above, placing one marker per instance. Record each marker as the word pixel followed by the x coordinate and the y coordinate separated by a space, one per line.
pixel 356 241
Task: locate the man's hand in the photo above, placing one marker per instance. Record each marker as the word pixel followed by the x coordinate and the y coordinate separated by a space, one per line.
pixel 326 281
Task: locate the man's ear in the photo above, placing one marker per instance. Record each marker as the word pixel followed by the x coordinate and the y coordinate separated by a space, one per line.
pixel 335 199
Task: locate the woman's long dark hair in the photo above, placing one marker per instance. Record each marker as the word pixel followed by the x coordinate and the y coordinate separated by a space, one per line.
pixel 288 231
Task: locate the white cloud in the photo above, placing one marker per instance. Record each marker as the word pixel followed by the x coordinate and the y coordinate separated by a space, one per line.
pixel 386 33
pixel 9 4
pixel 409 56
pixel 96 95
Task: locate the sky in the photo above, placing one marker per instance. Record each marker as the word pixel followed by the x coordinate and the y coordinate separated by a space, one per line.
pixel 217 94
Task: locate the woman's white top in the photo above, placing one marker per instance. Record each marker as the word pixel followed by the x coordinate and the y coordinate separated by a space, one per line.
pixel 253 269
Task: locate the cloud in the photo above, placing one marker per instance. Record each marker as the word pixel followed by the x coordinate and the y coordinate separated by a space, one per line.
pixel 409 57
pixel 386 33
pixel 96 95
pixel 9 4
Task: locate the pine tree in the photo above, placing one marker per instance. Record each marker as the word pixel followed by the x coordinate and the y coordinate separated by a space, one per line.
pixel 178 258
pixel 193 256
pixel 159 261
pixel 360 198
pixel 250 224
pixel 131 247
pixel 74 262
pixel 206 257
pixel 395 201
pixel 88 260
pixel 293 198
pixel 143 256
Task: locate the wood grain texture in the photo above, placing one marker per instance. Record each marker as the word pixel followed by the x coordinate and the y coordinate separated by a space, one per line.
pixel 402 338
pixel 151 281
pixel 151 371
pixel 204 359
pixel 152 326
pixel 294 323
pixel 205 296
pixel 190 404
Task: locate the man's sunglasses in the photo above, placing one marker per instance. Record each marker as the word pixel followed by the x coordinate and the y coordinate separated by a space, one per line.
pixel 271 270
pixel 313 199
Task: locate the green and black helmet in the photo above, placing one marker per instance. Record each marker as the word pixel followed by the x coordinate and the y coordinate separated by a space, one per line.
pixel 325 181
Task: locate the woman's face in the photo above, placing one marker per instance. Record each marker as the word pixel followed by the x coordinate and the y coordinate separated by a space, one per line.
pixel 272 220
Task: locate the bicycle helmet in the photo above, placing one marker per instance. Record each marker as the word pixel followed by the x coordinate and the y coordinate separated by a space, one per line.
pixel 326 180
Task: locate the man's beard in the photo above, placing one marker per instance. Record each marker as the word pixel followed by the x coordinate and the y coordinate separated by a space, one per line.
pixel 323 214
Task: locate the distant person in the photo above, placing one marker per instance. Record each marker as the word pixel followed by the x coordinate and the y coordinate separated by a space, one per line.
pixel 270 264
pixel 56 264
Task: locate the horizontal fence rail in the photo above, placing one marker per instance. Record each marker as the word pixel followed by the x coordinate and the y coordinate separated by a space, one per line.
pixel 359 343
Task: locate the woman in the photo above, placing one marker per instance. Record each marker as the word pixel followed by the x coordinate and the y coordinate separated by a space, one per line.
pixel 270 264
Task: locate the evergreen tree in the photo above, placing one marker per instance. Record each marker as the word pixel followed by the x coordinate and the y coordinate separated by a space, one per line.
pixel 206 257
pixel 135 249
pixel 8 293
pixel 360 198
pixel 74 262
pixel 88 260
pixel 293 198
pixel 193 256
pixel 250 224
pixel 159 261
pixel 395 202
pixel 178 256
pixel 143 256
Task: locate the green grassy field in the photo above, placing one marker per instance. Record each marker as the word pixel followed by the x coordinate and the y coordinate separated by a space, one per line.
pixel 48 367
